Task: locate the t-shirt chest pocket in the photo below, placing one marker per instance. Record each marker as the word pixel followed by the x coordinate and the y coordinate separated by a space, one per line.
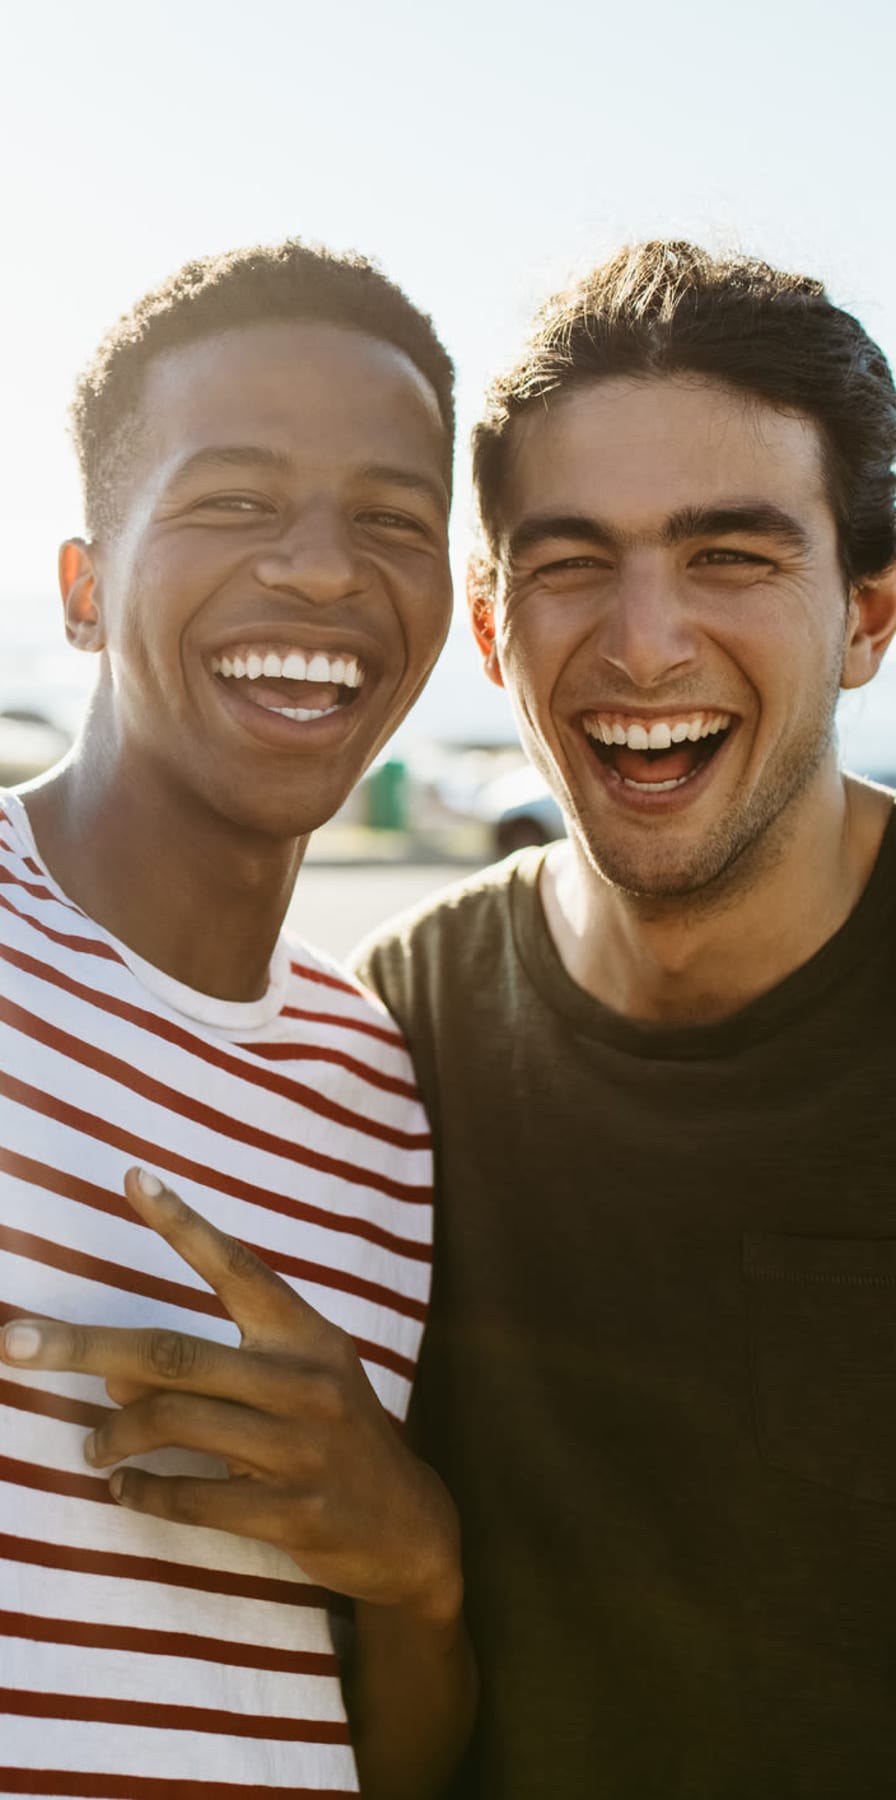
pixel 822 1315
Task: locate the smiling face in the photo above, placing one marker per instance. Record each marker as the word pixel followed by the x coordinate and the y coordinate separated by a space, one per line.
pixel 279 589
pixel 671 623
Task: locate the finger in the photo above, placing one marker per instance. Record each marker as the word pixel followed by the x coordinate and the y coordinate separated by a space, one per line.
pixel 152 1359
pixel 266 1308
pixel 260 1444
pixel 247 1508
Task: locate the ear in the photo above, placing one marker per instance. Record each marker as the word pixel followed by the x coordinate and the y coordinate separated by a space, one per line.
pixel 78 585
pixel 872 624
pixel 481 603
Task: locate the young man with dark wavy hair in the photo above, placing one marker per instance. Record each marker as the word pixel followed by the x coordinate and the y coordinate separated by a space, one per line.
pixel 266 450
pixel 660 1372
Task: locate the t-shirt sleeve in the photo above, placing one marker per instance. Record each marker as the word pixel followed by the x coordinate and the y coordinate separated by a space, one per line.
pixel 382 962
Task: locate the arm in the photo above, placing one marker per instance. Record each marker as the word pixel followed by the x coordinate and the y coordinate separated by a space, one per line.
pixel 411 1690
pixel 317 1468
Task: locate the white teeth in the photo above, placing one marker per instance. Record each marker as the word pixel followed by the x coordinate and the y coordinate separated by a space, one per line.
pixel 303 713
pixel 657 736
pixel 655 787
pixel 343 671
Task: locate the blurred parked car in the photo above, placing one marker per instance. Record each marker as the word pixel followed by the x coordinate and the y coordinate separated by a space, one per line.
pixel 520 809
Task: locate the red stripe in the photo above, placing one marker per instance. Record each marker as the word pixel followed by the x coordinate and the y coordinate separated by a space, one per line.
pixel 138 1640
pixel 28 862
pixel 50 1406
pixel 54 1481
pixel 158 1093
pixel 390 1084
pixel 148 1715
pixel 321 1018
pixel 67 1784
pixel 117 1566
pixel 37 889
pixel 223 1059
pixel 307 973
pixel 89 946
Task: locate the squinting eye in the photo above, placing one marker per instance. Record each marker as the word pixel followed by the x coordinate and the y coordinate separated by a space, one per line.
pixel 391 520
pixel 248 503
pixel 571 565
pixel 721 558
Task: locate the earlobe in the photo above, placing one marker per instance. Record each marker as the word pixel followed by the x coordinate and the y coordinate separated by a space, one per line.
pixel 480 601
pixel 872 625
pixel 78 586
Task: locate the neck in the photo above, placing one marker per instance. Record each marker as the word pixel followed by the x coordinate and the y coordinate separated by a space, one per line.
pixel 197 895
pixel 698 958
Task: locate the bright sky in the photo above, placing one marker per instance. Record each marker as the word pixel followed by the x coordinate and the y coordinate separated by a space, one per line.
pixel 481 150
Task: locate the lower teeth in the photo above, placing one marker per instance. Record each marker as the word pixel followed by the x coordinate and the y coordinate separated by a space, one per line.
pixel 657 787
pixel 302 713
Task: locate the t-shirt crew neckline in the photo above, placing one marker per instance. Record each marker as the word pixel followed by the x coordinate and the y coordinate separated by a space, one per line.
pixel 867 924
pixel 237 1016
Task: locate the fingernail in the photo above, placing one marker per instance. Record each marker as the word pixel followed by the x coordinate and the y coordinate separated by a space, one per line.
pixel 150 1185
pixel 21 1343
pixel 116 1483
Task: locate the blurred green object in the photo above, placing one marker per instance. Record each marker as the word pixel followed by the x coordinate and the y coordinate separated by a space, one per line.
pixel 386 791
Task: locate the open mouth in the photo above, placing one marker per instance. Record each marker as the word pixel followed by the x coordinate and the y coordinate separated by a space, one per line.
pixel 656 756
pixel 301 685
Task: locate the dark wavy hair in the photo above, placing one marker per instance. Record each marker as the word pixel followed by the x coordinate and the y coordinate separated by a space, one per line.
pixel 290 281
pixel 669 308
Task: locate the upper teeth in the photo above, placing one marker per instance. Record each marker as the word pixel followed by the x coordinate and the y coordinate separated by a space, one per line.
pixel 660 734
pixel 293 665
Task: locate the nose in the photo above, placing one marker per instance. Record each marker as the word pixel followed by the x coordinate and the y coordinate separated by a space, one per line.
pixel 647 634
pixel 314 558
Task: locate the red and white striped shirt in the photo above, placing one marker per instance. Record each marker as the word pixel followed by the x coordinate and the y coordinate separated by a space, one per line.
pixel 141 1658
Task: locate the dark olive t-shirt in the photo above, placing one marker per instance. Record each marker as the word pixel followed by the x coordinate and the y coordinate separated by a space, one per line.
pixel 660 1372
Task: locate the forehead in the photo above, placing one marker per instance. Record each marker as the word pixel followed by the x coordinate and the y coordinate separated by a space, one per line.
pixel 314 391
pixel 635 450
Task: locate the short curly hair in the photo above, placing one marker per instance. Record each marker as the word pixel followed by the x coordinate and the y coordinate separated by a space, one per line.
pixel 667 307
pixel 291 280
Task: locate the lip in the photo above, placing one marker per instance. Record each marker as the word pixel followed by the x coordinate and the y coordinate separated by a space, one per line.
pixel 331 637
pixel 277 732
pixel 297 635
pixel 640 801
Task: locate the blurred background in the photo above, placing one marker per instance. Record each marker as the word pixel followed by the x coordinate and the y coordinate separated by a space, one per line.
pixel 483 152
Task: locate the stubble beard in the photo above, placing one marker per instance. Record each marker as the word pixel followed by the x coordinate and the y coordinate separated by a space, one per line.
pixel 736 852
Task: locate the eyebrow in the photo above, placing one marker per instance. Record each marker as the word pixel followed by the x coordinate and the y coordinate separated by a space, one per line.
pixel 262 456
pixel 738 518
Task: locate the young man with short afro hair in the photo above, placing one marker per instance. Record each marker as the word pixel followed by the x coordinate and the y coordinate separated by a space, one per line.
pixel 266 446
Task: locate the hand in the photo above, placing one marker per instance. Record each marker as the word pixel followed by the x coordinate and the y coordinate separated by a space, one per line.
pixel 316 1466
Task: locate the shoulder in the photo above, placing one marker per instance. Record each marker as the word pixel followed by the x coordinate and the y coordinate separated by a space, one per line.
pixel 461 926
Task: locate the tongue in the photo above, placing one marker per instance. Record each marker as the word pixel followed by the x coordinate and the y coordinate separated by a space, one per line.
pixel 667 765
pixel 273 693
